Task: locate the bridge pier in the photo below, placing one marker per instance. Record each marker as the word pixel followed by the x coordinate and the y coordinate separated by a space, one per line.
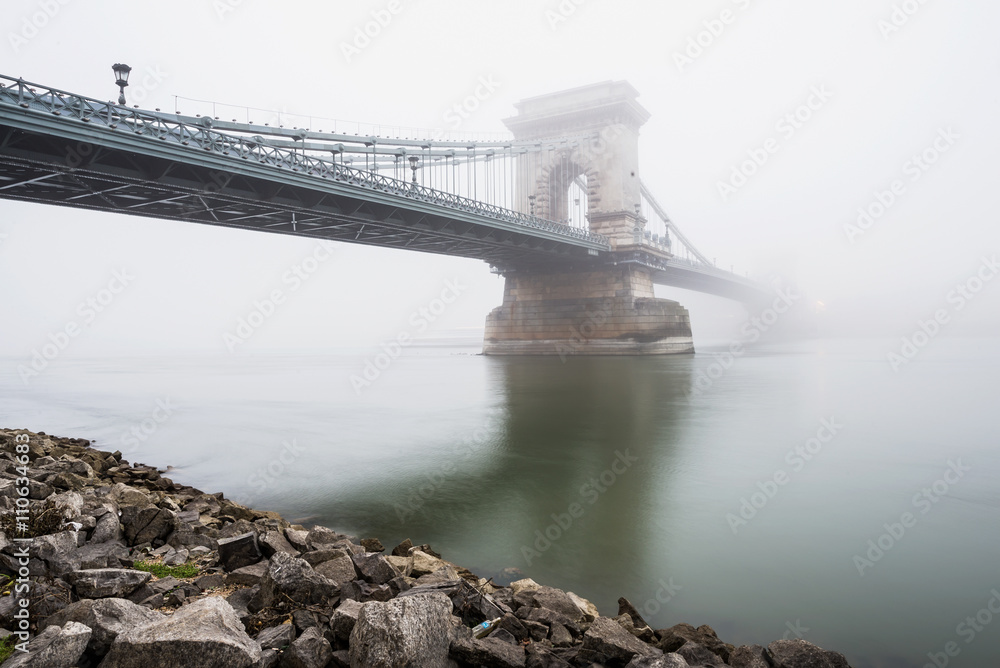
pixel 599 311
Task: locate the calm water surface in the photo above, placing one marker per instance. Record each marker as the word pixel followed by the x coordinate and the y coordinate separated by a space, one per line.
pixel 485 458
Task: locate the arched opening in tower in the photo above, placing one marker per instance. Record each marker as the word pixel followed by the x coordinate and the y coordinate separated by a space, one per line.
pixel 578 204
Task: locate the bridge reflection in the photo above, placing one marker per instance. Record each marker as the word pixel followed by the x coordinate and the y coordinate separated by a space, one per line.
pixel 596 437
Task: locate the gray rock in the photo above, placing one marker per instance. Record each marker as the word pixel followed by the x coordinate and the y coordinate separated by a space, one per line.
pixel 559 636
pixel 106 617
pixel 238 551
pixel 372 545
pixel 164 585
pixel 311 650
pixel 289 577
pixel 488 652
pixel 414 631
pixel 240 600
pixel 269 658
pixel 749 656
pixel 802 654
pixel 316 557
pixel 276 637
pixel 55 647
pixel 145 525
pixel 319 538
pixel 108 529
pixel 676 636
pixel 550 599
pixel 106 582
pixel 374 568
pixel 248 575
pixel 176 558
pixel 340 568
pixel 699 655
pixel 297 538
pixel 210 581
pixel 343 620
pixel 274 541
pixel 666 661
pixel 109 554
pixel 204 634
pixel 607 637
pixel 359 590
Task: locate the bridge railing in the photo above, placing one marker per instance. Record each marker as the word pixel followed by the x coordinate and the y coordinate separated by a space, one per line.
pixel 42 99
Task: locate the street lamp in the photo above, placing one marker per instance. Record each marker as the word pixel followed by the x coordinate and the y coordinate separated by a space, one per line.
pixel 414 163
pixel 121 72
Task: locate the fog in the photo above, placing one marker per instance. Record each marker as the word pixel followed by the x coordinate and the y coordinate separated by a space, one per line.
pixel 900 92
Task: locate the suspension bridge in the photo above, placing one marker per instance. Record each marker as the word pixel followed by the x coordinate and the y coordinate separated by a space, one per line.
pixel 557 207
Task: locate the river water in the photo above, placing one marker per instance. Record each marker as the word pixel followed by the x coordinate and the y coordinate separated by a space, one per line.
pixel 747 505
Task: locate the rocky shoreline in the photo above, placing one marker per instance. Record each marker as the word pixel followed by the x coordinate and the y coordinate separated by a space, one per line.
pixel 111 564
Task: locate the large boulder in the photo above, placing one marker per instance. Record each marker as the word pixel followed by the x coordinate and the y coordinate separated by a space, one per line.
pixel 665 661
pixel 413 632
pixel 55 647
pixel 276 637
pixel 310 650
pixel 802 654
pixel 343 620
pixel 239 551
pixel 698 655
pixel 106 617
pixel 675 637
pixel 107 582
pixel 488 652
pixel 290 579
pixel 339 567
pixel 750 656
pixel 204 634
pixel 606 636
pixel 272 541
pixel 144 525
pixel 374 568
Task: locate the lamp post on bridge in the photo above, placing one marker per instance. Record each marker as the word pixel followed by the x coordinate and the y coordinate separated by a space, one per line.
pixel 414 163
pixel 121 72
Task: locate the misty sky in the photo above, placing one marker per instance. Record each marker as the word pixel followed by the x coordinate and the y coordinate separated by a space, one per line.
pixel 883 93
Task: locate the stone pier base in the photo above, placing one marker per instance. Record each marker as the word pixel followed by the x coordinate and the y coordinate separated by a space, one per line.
pixel 610 311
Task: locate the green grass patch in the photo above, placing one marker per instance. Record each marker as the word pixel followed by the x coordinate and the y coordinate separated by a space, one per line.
pixel 161 571
pixel 7 647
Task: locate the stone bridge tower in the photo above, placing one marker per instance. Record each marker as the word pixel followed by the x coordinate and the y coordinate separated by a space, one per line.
pixel 600 308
